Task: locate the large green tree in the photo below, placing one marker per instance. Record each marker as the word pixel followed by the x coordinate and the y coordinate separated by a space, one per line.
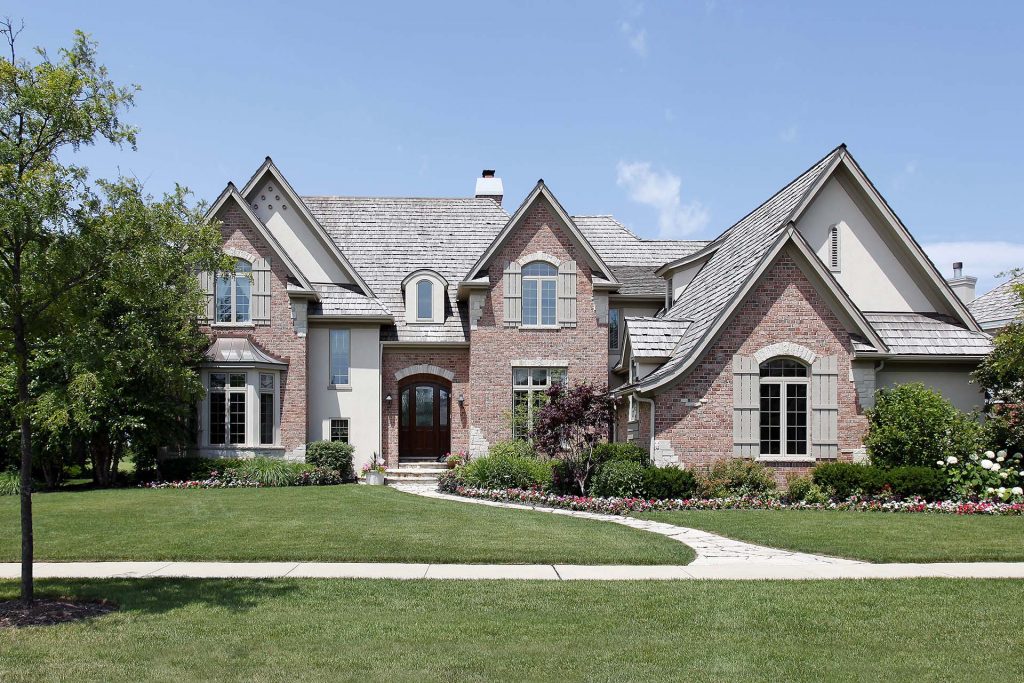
pixel 1002 374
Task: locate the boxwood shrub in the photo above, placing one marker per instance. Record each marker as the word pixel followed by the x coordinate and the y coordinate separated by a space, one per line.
pixel 620 450
pixel 844 479
pixel 618 479
pixel 503 471
pixel 666 483
pixel 331 455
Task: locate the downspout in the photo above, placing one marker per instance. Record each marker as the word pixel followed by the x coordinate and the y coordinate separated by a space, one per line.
pixel 380 400
pixel 650 447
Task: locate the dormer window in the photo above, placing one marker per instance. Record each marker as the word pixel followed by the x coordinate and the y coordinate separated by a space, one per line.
pixel 424 291
pixel 234 294
pixel 424 300
pixel 540 294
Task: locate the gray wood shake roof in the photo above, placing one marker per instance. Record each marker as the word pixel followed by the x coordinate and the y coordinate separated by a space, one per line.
pixel 999 306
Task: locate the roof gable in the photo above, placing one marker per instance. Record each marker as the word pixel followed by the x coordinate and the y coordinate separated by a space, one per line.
pixel 999 306
pixel 541 192
pixel 317 243
pixel 231 194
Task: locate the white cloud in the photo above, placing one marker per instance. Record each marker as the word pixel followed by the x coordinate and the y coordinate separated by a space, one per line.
pixel 660 190
pixel 904 176
pixel 983 260
pixel 636 37
pixel 789 134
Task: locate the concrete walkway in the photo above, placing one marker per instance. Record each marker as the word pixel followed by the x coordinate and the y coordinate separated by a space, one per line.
pixel 544 572
pixel 711 549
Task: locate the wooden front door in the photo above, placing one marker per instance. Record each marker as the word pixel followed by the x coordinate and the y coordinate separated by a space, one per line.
pixel 424 420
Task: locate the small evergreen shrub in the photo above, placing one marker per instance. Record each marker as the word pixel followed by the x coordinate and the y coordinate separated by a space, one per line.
pixel 620 450
pixel 502 471
pixel 905 482
pixel 668 483
pixel 804 490
pixel 736 477
pixel 844 479
pixel 331 455
pixel 912 424
pixel 618 479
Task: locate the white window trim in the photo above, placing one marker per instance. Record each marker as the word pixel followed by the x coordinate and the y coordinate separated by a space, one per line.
pixel 783 455
pixel 532 388
pixel 429 318
pixel 539 279
pixel 328 424
pixel 232 277
pixel 252 408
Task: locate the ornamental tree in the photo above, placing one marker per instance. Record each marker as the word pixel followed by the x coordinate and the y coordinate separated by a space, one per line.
pixel 1002 375
pixel 574 421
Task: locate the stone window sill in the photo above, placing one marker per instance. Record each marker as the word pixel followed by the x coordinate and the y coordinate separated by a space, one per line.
pixel 540 327
pixel 785 458
pixel 234 325
pixel 339 387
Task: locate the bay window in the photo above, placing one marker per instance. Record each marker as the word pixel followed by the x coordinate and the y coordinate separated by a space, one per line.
pixel 241 408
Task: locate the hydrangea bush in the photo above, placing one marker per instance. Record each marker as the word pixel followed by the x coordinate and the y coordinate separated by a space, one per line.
pixel 990 475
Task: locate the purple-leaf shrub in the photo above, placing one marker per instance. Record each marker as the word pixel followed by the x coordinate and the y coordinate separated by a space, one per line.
pixel 574 420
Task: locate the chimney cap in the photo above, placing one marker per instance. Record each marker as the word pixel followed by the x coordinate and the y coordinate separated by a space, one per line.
pixel 958 265
pixel 488 186
pixel 487 173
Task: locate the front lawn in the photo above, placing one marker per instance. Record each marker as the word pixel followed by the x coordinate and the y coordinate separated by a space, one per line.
pixel 328 523
pixel 361 630
pixel 870 536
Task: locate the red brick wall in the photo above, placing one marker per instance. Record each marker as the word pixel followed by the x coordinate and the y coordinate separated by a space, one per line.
pixel 494 347
pixel 279 337
pixel 784 307
pixel 453 360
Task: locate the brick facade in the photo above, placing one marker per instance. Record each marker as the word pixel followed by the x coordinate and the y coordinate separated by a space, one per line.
pixel 455 361
pixel 784 307
pixel 494 347
pixel 279 337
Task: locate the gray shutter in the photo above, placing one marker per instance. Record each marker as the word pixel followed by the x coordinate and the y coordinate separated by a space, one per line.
pixel 206 281
pixel 567 294
pixel 824 397
pixel 745 407
pixel 261 291
pixel 513 286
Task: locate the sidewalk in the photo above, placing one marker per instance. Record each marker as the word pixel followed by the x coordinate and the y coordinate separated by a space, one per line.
pixel 544 572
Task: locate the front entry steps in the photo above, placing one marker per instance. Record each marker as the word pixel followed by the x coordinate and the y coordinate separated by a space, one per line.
pixel 420 473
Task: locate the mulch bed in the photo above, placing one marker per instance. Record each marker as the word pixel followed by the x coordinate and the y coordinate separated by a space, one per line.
pixel 43 612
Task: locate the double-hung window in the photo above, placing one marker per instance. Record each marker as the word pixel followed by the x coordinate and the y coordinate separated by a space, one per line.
pixel 613 329
pixel 540 293
pixel 339 429
pixel 783 420
pixel 233 294
pixel 267 411
pixel 425 300
pixel 528 396
pixel 341 353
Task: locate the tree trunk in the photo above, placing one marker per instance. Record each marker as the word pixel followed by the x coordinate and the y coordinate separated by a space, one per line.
pixel 21 357
pixel 100 452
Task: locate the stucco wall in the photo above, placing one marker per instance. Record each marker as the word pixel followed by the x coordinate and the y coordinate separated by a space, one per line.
pixel 951 380
pixel 877 277
pixel 359 402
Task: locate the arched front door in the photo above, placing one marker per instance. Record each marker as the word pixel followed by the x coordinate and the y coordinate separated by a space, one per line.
pixel 424 418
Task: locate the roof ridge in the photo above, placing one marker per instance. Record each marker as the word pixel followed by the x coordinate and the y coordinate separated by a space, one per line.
pixel 358 196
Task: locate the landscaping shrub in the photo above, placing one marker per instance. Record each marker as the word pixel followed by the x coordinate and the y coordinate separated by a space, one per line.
pixel 193 468
pixel 503 471
pixel 914 425
pixel 803 489
pixel 518 448
pixel 450 481
pixel 620 450
pixel 735 477
pixel 268 471
pixel 331 455
pixel 845 479
pixel 990 475
pixel 669 482
pixel 618 479
pixel 10 483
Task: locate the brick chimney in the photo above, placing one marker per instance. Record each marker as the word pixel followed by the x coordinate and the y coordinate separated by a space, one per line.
pixel 962 286
pixel 489 187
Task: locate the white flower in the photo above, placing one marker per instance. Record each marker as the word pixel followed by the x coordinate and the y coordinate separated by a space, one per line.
pixel 986 464
pixel 974 456
pixel 989 454
pixel 1017 491
pixel 1001 454
pixel 1022 473
pixel 989 490
pixel 939 463
pixel 1000 458
pixel 951 460
pixel 996 467
pixel 1004 475
pixel 1002 490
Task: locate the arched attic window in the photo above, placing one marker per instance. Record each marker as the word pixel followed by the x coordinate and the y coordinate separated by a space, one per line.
pixel 424 300
pixel 425 292
pixel 783 407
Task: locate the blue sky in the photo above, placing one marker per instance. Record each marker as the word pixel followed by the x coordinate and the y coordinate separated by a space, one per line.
pixel 677 117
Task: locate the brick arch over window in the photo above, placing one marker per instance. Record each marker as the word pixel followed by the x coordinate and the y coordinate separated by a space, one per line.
pixel 238 253
pixel 424 369
pixel 785 349
pixel 539 256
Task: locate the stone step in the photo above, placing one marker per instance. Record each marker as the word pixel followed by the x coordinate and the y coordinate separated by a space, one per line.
pixel 418 479
pixel 421 464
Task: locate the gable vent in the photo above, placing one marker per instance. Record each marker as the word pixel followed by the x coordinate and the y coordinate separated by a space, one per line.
pixel 833 248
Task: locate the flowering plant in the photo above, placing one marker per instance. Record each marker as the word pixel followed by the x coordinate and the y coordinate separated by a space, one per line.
pixel 454 460
pixel 990 475
pixel 622 506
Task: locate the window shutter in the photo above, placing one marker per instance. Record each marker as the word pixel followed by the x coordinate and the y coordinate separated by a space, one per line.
pixel 513 286
pixel 825 407
pixel 261 291
pixel 567 294
pixel 206 281
pixel 745 407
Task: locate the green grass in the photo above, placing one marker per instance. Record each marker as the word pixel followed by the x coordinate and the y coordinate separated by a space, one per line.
pixel 238 630
pixel 330 523
pixel 870 536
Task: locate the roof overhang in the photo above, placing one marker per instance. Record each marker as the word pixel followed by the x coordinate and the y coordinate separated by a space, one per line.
pixel 703 253
pixel 269 168
pixel 541 191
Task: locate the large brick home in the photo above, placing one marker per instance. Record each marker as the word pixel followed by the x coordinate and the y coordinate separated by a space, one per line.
pixel 413 327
